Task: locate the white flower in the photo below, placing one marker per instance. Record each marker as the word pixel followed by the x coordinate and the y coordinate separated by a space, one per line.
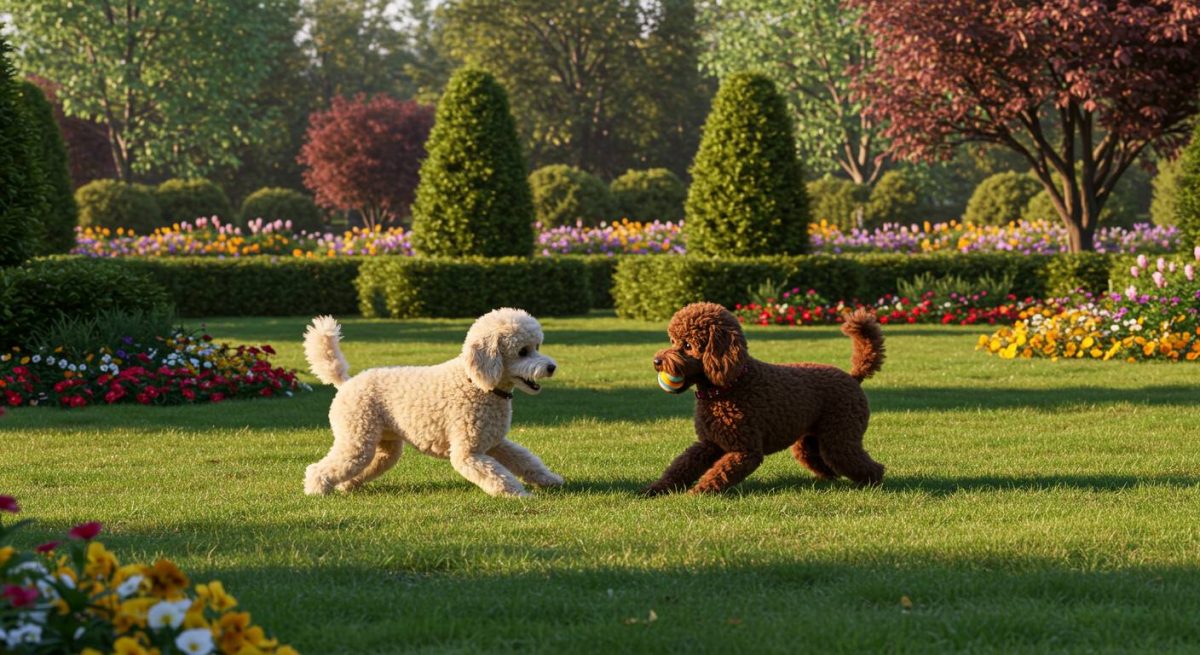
pixel 106 359
pixel 73 367
pixel 62 363
pixel 130 586
pixel 36 359
pixel 194 361
pixel 50 360
pixel 207 364
pixel 168 613
pixel 28 633
pixel 83 367
pixel 35 567
pixel 47 590
pixel 197 641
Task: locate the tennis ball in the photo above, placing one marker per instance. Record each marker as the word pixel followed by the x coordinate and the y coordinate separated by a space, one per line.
pixel 670 383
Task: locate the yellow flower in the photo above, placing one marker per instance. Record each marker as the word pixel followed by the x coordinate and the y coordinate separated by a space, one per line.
pixel 6 553
pixel 100 562
pixel 233 627
pixel 166 579
pixel 130 646
pixel 214 594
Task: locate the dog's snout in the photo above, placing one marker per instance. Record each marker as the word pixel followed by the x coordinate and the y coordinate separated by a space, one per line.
pixel 658 362
pixel 550 369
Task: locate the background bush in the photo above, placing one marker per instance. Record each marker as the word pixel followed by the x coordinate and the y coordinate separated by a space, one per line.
pixel 564 194
pixel 895 198
pixel 747 195
pixel 186 200
pixel 1163 205
pixel 1187 192
pixel 22 186
pixel 57 234
pixel 113 204
pixel 656 194
pixel 410 287
pixel 273 203
pixel 35 296
pixel 473 198
pixel 838 201
pixel 1002 198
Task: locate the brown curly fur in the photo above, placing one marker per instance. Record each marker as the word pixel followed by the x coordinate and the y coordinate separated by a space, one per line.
pixel 747 409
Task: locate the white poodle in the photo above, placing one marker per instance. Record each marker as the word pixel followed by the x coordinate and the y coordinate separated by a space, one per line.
pixel 460 409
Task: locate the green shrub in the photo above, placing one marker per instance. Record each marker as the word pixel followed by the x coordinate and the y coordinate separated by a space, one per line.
pixel 113 204
pixel 79 335
pixel 1089 271
pixel 1164 204
pixel 473 198
pixel 274 203
pixel 747 195
pixel 1187 192
pixel 410 287
pixel 254 286
pixel 1128 204
pixel 656 194
pixel 563 195
pixel 35 296
pixel 837 201
pixel 61 217
pixel 186 200
pixel 1040 208
pixel 22 185
pixel 600 272
pixel 1001 198
pixel 992 291
pixel 896 198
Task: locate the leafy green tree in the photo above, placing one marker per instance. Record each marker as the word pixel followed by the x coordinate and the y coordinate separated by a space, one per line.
pixel 355 47
pixel 808 48
pixel 747 195
pixel 22 187
pixel 172 80
pixel 473 198
pixel 59 221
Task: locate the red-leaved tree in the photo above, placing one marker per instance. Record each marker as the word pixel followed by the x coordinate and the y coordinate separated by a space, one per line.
pixel 366 155
pixel 88 152
pixel 1080 88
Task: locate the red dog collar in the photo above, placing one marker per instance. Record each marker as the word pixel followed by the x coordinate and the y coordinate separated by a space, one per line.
pixel 714 392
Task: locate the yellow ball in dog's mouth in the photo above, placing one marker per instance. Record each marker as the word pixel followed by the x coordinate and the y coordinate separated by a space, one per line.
pixel 670 383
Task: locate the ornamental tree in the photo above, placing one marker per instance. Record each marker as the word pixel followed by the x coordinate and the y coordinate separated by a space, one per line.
pixel 366 155
pixel 58 223
pixel 1078 88
pixel 22 185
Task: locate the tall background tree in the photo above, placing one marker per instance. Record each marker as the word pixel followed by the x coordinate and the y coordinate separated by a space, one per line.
pixel 1078 89
pixel 173 81
pixel 811 49
pixel 22 198
pixel 61 215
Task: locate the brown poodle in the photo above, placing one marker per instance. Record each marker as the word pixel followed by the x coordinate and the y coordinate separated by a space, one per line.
pixel 747 409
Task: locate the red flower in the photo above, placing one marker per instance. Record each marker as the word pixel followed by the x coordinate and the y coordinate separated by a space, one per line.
pixel 217 397
pixel 266 392
pixel 20 370
pixel 20 596
pixel 9 504
pixel 47 547
pixel 268 349
pixel 143 398
pixel 85 531
pixel 189 394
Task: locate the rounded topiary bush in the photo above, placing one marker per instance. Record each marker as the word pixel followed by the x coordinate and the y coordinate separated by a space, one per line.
pixel 1040 208
pixel 564 194
pixel 656 194
pixel 473 198
pixel 61 215
pixel 113 204
pixel 1001 198
pixel 22 186
pixel 896 198
pixel 274 203
pixel 747 195
pixel 183 201
pixel 838 201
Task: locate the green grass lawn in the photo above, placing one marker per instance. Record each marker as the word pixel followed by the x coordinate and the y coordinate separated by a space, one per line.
pixel 1029 506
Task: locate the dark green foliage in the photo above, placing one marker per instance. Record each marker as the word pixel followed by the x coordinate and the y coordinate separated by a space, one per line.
pixel 838 201
pixel 747 195
pixel 474 198
pixel 273 203
pixel 410 287
pixel 1163 206
pixel 80 335
pixel 35 296
pixel 183 201
pixel 564 195
pixel 1089 271
pixel 61 216
pixel 898 197
pixel 1002 198
pixel 1187 195
pixel 113 204
pixel 1040 208
pixel 656 194
pixel 652 288
pixel 600 271
pixel 254 286
pixel 22 186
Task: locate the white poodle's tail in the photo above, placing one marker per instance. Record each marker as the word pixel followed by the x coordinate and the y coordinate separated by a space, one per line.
pixel 321 349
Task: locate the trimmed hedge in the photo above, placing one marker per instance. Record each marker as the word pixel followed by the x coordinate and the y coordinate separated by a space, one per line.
pixel 183 201
pixel 653 288
pixel 600 271
pixel 411 287
pixel 35 295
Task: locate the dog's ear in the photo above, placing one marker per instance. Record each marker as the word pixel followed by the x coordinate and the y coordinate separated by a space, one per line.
pixel 723 354
pixel 485 366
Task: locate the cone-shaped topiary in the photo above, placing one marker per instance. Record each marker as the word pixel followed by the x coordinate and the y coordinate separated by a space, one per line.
pixel 1002 198
pixel 186 200
pixel 274 203
pixel 1187 194
pixel 656 194
pixel 61 217
pixel 22 186
pixel 473 198
pixel 747 195
pixel 563 195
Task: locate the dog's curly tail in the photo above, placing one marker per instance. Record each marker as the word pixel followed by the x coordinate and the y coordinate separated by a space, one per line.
pixel 321 349
pixel 863 329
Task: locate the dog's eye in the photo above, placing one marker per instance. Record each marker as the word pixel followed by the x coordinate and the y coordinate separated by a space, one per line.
pixel 524 352
pixel 686 345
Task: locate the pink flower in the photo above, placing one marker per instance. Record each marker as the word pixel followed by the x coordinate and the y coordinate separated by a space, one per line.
pixel 9 504
pixel 1162 264
pixel 1134 271
pixel 1196 252
pixel 1131 292
pixel 85 531
pixel 1159 280
pixel 1189 272
pixel 1142 262
pixel 20 596
pixel 47 547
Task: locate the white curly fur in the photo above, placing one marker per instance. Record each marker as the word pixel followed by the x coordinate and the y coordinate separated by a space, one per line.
pixel 447 410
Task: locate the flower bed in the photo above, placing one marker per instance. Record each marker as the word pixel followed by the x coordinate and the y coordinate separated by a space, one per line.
pixel 624 237
pixel 809 308
pixel 183 368
pixel 1163 324
pixel 75 596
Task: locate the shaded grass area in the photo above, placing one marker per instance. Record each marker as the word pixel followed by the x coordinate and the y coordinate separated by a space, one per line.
pixel 1030 506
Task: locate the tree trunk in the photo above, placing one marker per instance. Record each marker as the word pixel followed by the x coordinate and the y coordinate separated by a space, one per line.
pixel 1081 237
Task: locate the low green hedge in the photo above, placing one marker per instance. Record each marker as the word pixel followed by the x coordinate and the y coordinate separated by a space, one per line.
pixel 653 288
pixel 600 271
pixel 410 287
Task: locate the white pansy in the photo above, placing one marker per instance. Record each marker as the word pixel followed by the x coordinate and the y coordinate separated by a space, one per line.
pixel 36 359
pixel 34 567
pixel 83 367
pixel 73 368
pixel 167 613
pixel 27 633
pixel 50 360
pixel 207 364
pixel 130 586
pixel 197 641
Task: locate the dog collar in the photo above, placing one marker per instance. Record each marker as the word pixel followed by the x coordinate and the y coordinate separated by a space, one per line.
pixel 714 392
pixel 507 395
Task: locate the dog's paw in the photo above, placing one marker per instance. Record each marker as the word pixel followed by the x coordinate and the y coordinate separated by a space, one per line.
pixel 547 479
pixel 315 484
pixel 656 490
pixel 514 493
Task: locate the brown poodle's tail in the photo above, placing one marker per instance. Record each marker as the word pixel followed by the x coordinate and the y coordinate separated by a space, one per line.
pixel 323 353
pixel 863 329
